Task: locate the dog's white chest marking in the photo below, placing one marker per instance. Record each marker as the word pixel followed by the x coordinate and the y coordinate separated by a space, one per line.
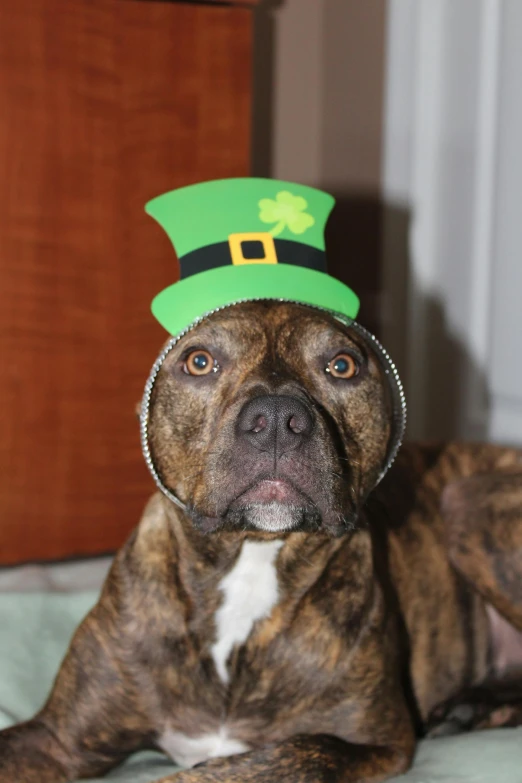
pixel 250 591
pixel 188 751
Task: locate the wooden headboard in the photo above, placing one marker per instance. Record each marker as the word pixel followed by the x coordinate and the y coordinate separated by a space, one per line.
pixel 104 105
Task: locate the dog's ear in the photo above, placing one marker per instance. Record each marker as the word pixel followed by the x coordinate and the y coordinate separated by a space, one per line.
pixel 137 410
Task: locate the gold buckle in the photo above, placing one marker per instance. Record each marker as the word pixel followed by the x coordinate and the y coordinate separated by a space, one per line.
pixel 266 239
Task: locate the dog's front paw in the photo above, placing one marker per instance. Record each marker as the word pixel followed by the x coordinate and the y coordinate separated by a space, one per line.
pixel 448 720
pixel 480 708
pixel 211 771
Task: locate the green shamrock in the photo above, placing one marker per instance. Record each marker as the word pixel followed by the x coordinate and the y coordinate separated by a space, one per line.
pixel 286 211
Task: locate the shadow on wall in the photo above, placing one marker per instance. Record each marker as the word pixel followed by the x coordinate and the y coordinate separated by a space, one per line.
pixel 439 375
pixel 368 248
pixel 354 250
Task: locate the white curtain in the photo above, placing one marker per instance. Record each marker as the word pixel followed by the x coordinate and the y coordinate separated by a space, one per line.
pixel 452 183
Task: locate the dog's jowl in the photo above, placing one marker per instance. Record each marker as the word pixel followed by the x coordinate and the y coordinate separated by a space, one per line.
pixel 279 614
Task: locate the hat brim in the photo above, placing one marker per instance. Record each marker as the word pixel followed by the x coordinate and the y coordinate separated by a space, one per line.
pixel 182 303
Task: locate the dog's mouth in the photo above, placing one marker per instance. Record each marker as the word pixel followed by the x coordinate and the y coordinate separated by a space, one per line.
pixel 273 505
pixel 269 490
pixel 279 503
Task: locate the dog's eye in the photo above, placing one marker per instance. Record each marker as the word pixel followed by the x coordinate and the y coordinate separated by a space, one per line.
pixel 199 363
pixel 343 366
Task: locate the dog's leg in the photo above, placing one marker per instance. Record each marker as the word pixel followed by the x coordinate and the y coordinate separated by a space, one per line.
pixel 29 753
pixel 93 719
pixel 484 524
pixel 314 758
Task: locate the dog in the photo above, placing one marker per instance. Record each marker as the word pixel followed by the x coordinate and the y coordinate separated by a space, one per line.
pixel 281 613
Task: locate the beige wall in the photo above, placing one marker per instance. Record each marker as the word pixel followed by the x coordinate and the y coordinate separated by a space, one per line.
pixel 325 62
pixel 297 91
pixel 352 93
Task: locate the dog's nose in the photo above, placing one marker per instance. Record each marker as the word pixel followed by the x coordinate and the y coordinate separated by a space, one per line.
pixel 274 422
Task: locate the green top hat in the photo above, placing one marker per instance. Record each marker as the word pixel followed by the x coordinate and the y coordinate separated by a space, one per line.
pixel 245 239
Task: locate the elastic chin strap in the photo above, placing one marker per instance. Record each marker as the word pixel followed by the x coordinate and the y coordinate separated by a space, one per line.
pixel 397 396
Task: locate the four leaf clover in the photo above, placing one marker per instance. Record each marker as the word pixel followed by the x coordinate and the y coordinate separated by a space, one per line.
pixel 286 211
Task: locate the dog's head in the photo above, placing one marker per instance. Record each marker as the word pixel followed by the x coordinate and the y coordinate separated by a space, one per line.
pixel 271 417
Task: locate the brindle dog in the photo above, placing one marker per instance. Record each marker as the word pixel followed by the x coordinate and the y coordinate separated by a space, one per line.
pixel 291 618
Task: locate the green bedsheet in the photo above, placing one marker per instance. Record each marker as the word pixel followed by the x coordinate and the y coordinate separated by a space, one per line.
pixel 35 629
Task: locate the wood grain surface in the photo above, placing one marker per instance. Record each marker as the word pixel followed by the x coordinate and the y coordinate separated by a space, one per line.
pixel 229 2
pixel 104 105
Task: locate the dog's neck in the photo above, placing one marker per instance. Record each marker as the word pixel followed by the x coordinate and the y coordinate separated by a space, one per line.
pixel 232 580
pixel 205 559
